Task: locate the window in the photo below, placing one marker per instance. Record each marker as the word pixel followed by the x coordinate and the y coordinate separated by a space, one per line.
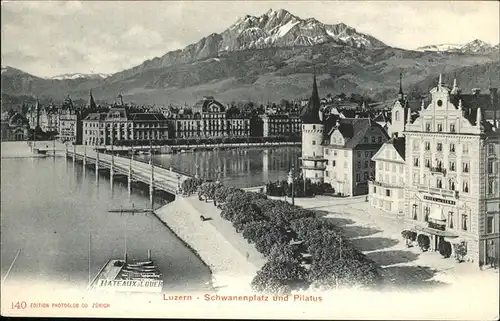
pixel 451 185
pixel 396 115
pixel 491 186
pixel 415 161
pixel 452 128
pixel 359 154
pixel 439 147
pixel 365 140
pixel 345 153
pixel 367 154
pixel 452 148
pixel 450 219
pixel 372 164
pixel 465 187
pixel 428 163
pixel 464 222
pixel 414 211
pixel 333 163
pixel 314 127
pixel 334 153
pixel 358 177
pixel 345 164
pixel 365 165
pixel 365 176
pixel 380 139
pixel 465 167
pixel 327 174
pixel 327 151
pixel 427 211
pixel 388 192
pixel 491 149
pixel 452 166
pixel 439 127
pixel 314 142
pixel 374 189
pixel 427 146
pixel 489 225
pixel 427 127
pixel 359 165
pixel 439 183
pixel 380 165
pixel 490 167
pixel 465 148
pixel 373 139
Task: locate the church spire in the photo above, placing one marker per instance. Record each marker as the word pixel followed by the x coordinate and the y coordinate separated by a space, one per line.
pixel 91 103
pixel 401 85
pixel 440 81
pixel 310 114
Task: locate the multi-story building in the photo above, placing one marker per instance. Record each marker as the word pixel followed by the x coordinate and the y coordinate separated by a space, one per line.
pixel 452 177
pixel 70 123
pixel 117 126
pixel 351 144
pixel 386 189
pixel 208 118
pixel 313 160
pixel 15 128
pixel 281 124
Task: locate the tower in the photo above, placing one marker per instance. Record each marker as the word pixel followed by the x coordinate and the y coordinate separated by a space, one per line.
pixel 37 106
pixel 91 104
pixel 399 112
pixel 312 137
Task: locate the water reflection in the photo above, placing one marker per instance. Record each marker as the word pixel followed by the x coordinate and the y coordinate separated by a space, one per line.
pixel 237 167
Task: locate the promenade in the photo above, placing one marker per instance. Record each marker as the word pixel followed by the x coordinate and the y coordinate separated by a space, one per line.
pixel 233 262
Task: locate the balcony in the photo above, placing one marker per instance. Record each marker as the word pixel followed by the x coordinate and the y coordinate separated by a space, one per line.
pixel 438 170
pixel 382 184
pixel 436 190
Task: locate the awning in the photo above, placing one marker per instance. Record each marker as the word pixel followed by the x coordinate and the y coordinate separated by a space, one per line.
pixel 435 232
pixel 437 214
pixel 453 239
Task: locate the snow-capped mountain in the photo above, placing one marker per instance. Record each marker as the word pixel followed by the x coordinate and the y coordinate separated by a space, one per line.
pixel 283 29
pixel 80 76
pixel 474 47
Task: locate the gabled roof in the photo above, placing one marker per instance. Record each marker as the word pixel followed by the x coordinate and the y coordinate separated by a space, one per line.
pixel 95 116
pixel 310 113
pixel 399 145
pixel 354 129
pixel 202 106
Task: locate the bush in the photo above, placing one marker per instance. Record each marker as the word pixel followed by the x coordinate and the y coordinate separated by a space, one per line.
pixel 409 236
pixel 423 242
pixel 444 249
pixel 190 185
pixel 461 251
pixel 278 277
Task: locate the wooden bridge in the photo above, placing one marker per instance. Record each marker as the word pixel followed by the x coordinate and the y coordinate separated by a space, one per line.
pixel 158 178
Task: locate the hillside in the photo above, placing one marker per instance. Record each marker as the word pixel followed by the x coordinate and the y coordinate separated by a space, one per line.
pixel 263 58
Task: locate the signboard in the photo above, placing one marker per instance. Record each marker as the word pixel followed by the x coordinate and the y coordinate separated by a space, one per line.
pixel 142 285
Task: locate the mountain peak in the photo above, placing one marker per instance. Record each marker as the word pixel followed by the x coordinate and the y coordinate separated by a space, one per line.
pixel 476 46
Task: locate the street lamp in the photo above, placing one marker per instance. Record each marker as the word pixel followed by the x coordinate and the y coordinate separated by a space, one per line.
pixel 196 168
pixel 219 171
pixel 179 183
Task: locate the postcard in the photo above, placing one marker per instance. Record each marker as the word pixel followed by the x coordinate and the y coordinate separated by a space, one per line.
pixel 250 159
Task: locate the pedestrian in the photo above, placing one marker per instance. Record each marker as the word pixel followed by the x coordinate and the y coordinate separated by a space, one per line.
pixel 248 255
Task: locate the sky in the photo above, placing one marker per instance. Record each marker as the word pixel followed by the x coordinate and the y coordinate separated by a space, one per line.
pixel 52 38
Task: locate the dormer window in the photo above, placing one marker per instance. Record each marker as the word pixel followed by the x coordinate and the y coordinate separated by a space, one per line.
pixel 439 127
pixel 452 128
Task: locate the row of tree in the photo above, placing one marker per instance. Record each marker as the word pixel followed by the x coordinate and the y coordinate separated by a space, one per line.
pixel 209 140
pixel 283 188
pixel 302 250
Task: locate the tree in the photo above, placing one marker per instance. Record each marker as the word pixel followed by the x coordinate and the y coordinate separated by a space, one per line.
pixel 190 185
pixel 271 237
pixel 423 242
pixel 444 249
pixel 278 277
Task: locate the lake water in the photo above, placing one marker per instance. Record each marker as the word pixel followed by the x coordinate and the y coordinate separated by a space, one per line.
pixel 49 206
pixel 238 167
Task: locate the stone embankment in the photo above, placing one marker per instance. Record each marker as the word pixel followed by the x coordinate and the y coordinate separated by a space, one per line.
pixel 232 261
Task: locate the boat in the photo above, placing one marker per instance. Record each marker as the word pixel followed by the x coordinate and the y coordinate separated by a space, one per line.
pixel 122 275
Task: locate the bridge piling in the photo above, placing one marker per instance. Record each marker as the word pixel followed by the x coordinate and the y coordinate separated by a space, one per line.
pixel 84 156
pixel 97 163
pixel 74 152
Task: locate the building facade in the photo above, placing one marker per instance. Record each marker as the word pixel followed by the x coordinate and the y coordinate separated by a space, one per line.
pixel 15 128
pixel 386 189
pixel 452 177
pixel 117 126
pixel 281 124
pixel 208 118
pixel 351 145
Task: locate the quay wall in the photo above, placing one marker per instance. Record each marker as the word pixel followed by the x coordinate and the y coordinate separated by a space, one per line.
pixel 231 271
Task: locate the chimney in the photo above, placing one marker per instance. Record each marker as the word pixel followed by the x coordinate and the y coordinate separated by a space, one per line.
pixel 476 91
